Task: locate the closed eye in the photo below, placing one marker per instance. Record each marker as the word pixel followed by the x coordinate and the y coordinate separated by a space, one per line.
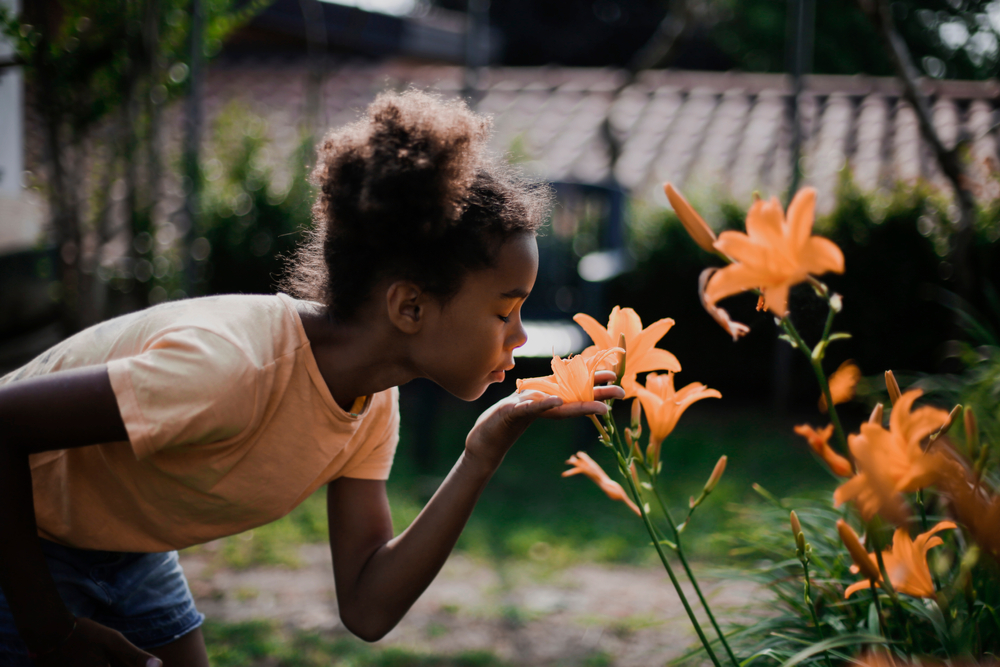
pixel 504 318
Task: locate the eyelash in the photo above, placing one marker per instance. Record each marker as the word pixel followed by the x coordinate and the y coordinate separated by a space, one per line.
pixel 504 318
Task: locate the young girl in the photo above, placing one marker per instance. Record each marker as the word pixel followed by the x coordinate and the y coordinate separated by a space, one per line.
pixel 197 419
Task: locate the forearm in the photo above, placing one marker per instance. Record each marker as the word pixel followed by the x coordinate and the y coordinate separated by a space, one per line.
pixel 397 573
pixel 39 612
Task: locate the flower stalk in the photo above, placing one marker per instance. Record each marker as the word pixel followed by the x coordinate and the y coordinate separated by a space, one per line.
pixel 687 569
pixel 803 551
pixel 816 361
pixel 637 495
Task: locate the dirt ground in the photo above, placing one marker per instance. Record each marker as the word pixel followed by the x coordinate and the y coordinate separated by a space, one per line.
pixel 526 613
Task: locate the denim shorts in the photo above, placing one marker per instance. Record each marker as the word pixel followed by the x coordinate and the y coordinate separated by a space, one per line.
pixel 143 596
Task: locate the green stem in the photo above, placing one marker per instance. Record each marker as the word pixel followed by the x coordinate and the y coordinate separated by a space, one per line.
pixel 673 577
pixel 878 611
pixel 923 509
pixel 817 366
pixel 690 574
pixel 812 607
pixel 887 585
pixel 619 446
pixel 828 326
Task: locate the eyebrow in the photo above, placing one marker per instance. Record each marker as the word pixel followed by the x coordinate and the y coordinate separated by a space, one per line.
pixel 516 293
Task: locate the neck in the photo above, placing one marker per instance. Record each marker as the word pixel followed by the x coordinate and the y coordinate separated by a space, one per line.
pixel 356 358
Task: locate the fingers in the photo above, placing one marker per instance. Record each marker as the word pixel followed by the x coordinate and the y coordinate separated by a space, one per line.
pixel 608 393
pixel 534 406
pixel 581 409
pixel 604 377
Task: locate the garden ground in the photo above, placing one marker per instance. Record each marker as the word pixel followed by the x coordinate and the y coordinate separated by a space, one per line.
pixel 518 612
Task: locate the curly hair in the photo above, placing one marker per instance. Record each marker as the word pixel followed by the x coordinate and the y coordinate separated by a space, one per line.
pixel 409 192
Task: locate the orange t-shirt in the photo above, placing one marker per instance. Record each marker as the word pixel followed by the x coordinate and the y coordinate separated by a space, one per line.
pixel 230 426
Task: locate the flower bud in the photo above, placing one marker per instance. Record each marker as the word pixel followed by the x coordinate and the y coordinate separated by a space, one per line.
pixel 876 416
pixel 633 445
pixel 952 416
pixel 635 474
pixel 800 545
pixel 696 227
pixel 796 526
pixel 713 480
pixel 836 303
pixel 637 417
pixel 858 553
pixel 892 386
pixel 971 432
pixel 653 453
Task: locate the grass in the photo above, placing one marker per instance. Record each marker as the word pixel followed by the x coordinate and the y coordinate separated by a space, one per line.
pixel 529 512
pixel 264 644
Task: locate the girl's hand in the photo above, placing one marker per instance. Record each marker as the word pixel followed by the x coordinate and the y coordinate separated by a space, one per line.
pixel 501 425
pixel 94 645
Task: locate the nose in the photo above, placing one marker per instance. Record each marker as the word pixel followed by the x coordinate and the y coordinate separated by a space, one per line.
pixel 518 336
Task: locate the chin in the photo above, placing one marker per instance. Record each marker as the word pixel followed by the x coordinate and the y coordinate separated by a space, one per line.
pixel 468 393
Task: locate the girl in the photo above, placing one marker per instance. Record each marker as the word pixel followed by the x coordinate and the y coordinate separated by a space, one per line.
pixel 198 419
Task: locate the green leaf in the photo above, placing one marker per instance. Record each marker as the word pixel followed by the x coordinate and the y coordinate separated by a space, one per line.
pixel 833 642
pixel 840 335
pixel 873 623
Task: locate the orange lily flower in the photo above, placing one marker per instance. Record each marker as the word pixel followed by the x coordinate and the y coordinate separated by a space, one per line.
pixel 842 384
pixel 639 343
pixel 572 379
pixel 820 443
pixel 664 406
pixel 775 253
pixel 906 563
pixel 892 461
pixel 582 463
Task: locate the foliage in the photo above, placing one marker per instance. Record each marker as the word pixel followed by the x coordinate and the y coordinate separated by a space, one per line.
pixel 953 40
pixel 967 626
pixel 250 219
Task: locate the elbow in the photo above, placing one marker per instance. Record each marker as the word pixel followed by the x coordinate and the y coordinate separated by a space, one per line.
pixel 365 625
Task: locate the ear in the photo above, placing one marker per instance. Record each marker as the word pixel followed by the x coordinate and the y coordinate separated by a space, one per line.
pixel 405 303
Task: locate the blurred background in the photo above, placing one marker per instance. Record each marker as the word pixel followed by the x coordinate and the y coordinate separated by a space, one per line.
pixel 157 149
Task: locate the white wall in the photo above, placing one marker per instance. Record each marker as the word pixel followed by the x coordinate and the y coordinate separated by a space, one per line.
pixel 20 210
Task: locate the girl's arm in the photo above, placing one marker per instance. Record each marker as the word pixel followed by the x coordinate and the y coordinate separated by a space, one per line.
pixel 57 411
pixel 379 577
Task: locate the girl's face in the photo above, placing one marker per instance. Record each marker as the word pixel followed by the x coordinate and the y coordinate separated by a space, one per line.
pixel 470 340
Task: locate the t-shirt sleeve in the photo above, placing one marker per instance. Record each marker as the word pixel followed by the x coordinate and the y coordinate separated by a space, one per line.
pixel 188 386
pixel 378 461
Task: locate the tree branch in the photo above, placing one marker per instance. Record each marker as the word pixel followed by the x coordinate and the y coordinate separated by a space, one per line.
pixel 658 50
pixel 880 14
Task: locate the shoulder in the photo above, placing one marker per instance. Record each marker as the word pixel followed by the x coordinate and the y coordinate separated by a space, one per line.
pixel 261 327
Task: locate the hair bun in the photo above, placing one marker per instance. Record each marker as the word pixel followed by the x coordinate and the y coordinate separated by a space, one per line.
pixel 404 170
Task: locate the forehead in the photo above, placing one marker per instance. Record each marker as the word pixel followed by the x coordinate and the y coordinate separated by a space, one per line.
pixel 514 270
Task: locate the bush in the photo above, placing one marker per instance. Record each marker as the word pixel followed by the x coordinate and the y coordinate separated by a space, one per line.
pixel 251 218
